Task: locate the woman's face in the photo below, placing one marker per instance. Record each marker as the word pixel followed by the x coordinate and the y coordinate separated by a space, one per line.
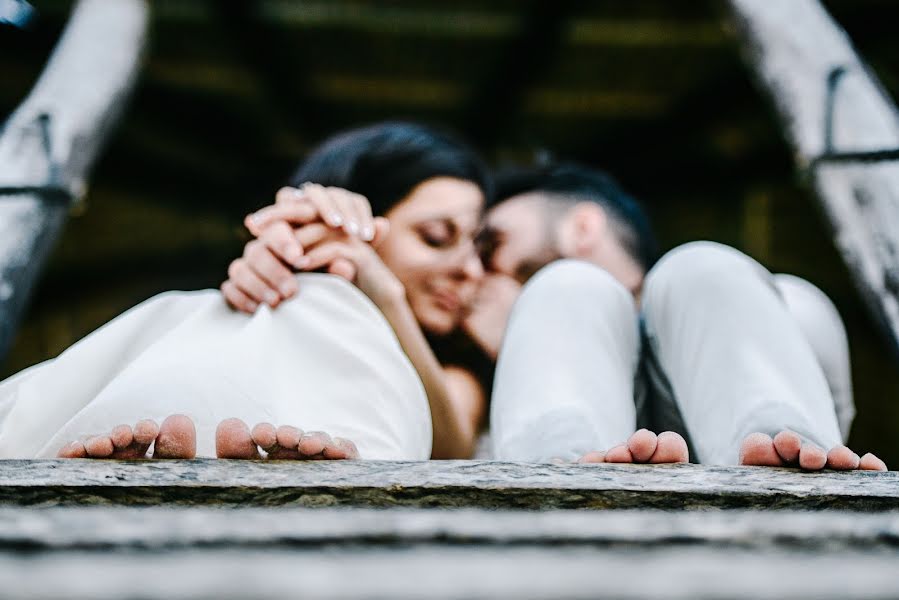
pixel 430 248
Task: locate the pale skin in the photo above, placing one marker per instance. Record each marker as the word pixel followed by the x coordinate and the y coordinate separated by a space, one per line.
pixel 521 241
pixel 422 271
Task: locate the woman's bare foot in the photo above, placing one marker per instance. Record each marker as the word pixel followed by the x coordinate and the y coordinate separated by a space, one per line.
pixel 787 450
pixel 175 438
pixel 233 439
pixel 644 447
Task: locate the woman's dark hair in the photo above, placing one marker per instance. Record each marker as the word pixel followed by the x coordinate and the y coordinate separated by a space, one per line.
pixel 385 161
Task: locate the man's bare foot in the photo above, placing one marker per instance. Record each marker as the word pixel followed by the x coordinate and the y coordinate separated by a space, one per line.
pixel 233 439
pixel 175 438
pixel 787 450
pixel 644 447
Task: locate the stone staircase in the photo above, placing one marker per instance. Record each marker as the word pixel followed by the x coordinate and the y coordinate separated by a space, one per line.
pixel 450 529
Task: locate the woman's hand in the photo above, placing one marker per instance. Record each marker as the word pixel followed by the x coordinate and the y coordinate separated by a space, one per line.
pixel 487 321
pixel 264 274
pixel 325 248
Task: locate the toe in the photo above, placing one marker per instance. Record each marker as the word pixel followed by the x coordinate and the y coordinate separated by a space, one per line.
pixel 334 451
pixel 99 446
pixel 788 444
pixel 642 445
pixel 758 450
pixel 812 458
pixel 619 454
pixel 233 440
pixel 145 432
pixel 122 436
pixel 597 456
pixel 869 462
pixel 671 448
pixel 73 450
pixel 264 436
pixel 177 438
pixel 313 443
pixel 842 458
pixel 289 437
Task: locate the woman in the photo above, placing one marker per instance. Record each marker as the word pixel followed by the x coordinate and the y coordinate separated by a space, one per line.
pixel 349 360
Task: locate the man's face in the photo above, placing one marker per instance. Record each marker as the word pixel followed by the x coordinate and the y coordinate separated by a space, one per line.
pixel 520 239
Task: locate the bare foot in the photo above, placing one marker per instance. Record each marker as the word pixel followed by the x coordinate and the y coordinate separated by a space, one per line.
pixel 233 439
pixel 787 450
pixel 175 438
pixel 644 447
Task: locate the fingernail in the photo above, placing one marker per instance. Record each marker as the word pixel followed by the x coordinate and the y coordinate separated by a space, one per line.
pixel 252 306
pixel 298 194
pixel 287 288
pixel 255 218
pixel 368 233
pixel 302 262
pixel 336 219
pixel 352 228
pixel 270 297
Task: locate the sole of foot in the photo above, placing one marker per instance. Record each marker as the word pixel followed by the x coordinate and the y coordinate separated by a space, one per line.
pixel 175 438
pixel 235 440
pixel 644 447
pixel 786 449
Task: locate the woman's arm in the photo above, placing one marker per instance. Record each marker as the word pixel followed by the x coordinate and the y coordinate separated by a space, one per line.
pixel 456 399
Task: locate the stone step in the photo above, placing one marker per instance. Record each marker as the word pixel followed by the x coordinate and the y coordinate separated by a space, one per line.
pixel 465 571
pixel 168 528
pixel 483 484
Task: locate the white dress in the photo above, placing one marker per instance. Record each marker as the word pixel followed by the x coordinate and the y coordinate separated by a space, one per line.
pixel 327 360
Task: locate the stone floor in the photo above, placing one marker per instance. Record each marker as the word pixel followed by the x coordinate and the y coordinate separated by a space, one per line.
pixel 455 529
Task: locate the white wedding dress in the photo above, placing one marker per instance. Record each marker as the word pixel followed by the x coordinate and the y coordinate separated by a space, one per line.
pixel 327 360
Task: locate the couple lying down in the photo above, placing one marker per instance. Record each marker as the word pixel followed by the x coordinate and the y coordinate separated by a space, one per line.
pixel 331 337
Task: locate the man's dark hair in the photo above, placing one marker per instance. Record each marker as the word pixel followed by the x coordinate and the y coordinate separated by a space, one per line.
pixel 385 161
pixel 569 183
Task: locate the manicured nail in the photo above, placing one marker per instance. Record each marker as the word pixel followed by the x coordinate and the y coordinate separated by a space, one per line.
pixel 335 218
pixel 352 228
pixel 255 218
pixel 270 297
pixel 298 194
pixel 368 233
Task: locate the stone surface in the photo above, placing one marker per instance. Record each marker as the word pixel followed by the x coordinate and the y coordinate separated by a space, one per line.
pixel 451 572
pixel 438 484
pixel 168 528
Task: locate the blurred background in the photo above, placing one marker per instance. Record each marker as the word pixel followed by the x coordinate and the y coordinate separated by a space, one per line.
pixel 233 93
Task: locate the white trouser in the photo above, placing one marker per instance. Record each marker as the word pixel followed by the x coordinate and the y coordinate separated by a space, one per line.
pixel 326 360
pixel 565 374
pixel 735 358
pixel 823 328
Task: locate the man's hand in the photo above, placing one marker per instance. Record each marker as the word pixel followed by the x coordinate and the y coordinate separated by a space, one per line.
pixel 265 271
pixel 486 324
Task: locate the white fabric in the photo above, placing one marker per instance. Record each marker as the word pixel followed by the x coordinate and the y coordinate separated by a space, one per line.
pixel 735 357
pixel 741 354
pixel 326 360
pixel 565 373
pixel 823 328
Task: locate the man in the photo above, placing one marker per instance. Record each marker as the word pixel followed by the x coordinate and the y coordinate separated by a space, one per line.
pixel 721 349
